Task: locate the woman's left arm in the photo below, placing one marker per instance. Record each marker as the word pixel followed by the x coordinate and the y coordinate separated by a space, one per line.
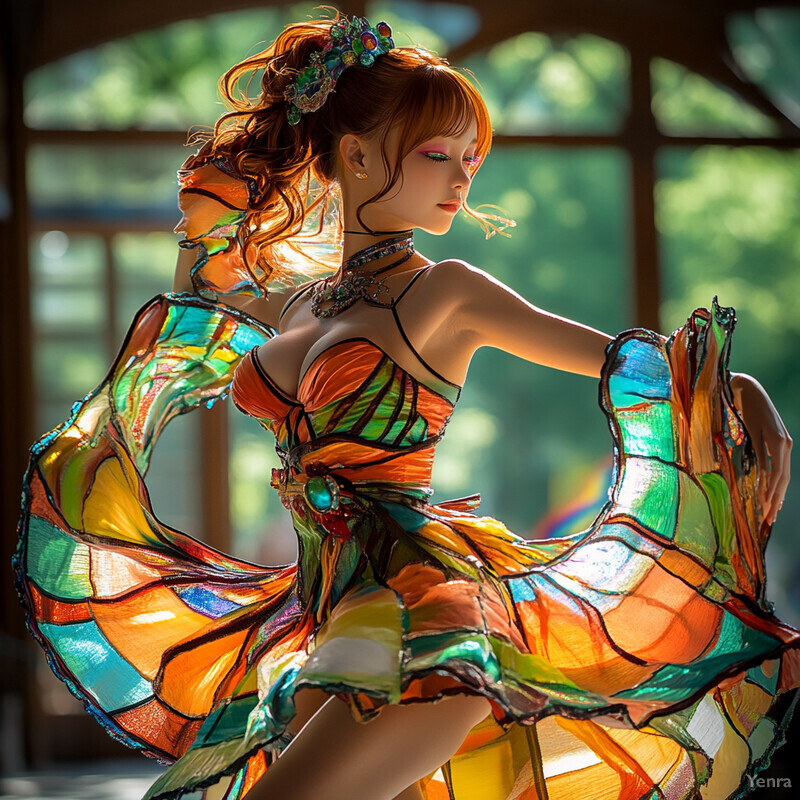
pixel 769 436
pixel 487 312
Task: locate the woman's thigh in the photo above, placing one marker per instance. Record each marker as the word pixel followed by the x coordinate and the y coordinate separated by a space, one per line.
pixel 307 702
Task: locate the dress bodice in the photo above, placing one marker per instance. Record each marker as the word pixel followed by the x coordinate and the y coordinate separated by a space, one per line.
pixel 357 411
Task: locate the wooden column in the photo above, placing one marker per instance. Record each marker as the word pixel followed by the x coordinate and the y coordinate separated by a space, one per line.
pixel 16 397
pixel 641 137
pixel 215 499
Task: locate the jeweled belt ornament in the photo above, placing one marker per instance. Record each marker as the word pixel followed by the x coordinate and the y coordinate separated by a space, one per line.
pixel 352 41
pixel 321 494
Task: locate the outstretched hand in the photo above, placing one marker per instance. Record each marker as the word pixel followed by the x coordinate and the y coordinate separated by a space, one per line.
pixel 770 439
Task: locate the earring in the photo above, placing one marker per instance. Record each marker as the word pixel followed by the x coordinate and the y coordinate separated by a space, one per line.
pixel 362 176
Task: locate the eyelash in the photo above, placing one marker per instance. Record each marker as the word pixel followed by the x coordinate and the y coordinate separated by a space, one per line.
pixel 433 157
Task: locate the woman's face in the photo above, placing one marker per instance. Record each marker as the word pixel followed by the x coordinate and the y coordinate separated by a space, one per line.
pixel 434 182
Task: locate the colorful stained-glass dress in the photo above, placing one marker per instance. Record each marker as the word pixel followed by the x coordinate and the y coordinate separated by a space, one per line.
pixel 638 658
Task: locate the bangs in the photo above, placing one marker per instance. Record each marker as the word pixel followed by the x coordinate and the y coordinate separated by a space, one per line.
pixel 442 102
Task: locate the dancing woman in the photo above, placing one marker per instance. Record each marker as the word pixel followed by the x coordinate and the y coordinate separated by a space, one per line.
pixel 415 650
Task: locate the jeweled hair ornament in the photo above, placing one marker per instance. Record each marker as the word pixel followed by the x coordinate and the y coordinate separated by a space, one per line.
pixel 352 41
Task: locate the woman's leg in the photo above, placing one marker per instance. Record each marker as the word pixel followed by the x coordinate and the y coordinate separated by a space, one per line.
pixel 337 758
pixel 412 793
pixel 307 703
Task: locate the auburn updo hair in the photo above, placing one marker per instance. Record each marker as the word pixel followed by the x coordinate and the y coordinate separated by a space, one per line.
pixel 292 168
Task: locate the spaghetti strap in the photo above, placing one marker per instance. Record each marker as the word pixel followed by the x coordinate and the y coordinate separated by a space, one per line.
pixel 419 272
pixel 405 335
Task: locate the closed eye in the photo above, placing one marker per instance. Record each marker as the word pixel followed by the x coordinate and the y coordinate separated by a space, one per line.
pixel 471 160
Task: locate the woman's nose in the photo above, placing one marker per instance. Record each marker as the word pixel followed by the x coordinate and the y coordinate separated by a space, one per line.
pixel 462 178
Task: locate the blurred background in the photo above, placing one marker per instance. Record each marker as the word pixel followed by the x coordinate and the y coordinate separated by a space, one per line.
pixel 649 152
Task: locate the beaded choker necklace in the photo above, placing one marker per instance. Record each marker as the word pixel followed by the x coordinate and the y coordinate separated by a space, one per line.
pixel 353 285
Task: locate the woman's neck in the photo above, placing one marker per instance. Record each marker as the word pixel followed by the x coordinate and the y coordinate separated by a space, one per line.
pixel 364 251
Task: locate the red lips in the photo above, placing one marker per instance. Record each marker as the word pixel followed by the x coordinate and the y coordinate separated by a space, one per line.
pixel 451 205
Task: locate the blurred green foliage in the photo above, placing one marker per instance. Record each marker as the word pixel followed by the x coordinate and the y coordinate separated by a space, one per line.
pixel 765 45
pixel 535 83
pixel 164 79
pixel 685 103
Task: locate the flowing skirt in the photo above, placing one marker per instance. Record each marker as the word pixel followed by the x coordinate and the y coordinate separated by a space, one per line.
pixel 637 658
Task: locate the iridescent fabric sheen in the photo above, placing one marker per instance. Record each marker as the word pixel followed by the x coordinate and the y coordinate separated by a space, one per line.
pixel 638 658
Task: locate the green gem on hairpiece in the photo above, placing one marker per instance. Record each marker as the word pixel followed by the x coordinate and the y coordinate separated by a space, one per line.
pixel 366 58
pixel 358 46
pixel 293 114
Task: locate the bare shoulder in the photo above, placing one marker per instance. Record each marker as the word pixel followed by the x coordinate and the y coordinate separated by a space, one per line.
pixel 462 282
pixel 461 273
pixel 444 298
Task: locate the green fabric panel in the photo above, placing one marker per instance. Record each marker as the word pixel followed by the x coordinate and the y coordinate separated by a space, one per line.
pixel 56 563
pixel 694 532
pixel 648 491
pixel 418 432
pixel 366 395
pixel 226 722
pixel 648 431
pixel 719 498
pixel 198 765
pixel 761 738
pixel 402 417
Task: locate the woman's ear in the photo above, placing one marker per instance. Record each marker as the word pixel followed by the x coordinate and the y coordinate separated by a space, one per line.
pixel 351 151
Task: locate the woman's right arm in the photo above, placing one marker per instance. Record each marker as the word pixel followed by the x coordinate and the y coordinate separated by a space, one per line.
pixel 214 204
pixel 264 309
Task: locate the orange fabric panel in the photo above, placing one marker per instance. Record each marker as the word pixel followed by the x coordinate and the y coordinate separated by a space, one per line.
pixel 164 728
pixel 434 408
pixel 664 620
pixel 40 505
pixel 190 679
pixel 206 195
pixel 336 372
pixel 58 611
pixel 250 393
pixel 142 627
pixel 413 467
